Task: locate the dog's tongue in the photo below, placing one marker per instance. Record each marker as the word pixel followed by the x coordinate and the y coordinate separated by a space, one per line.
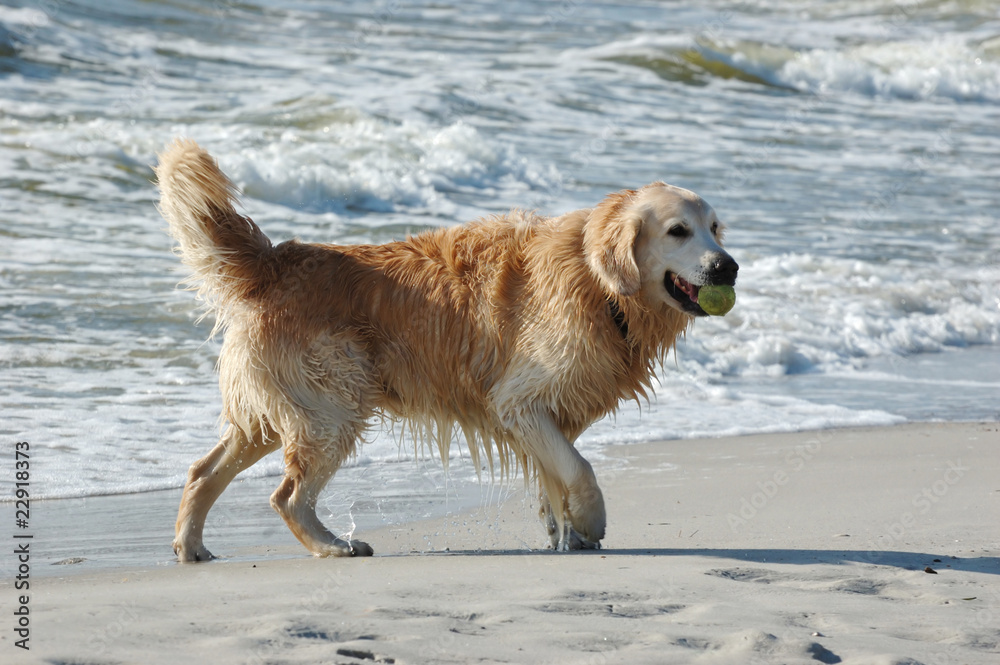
pixel 687 287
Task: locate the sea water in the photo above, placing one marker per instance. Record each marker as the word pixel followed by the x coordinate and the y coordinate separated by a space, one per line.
pixel 852 147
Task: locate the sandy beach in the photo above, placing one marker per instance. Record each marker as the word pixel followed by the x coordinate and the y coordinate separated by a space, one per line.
pixel 875 546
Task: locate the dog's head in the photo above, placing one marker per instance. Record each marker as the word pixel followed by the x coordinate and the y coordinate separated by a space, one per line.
pixel 662 241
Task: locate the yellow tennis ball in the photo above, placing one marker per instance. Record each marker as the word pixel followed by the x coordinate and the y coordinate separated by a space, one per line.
pixel 716 299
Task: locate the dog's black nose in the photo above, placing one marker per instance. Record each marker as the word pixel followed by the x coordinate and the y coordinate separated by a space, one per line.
pixel 723 270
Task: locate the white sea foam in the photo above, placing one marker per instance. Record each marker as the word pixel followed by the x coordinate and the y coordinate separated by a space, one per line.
pixel 23 18
pixel 949 67
pixel 946 67
pixel 367 164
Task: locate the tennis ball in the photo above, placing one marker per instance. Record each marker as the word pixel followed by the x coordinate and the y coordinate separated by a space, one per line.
pixel 716 299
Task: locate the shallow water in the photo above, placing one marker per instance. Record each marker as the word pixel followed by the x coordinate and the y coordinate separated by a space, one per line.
pixel 852 148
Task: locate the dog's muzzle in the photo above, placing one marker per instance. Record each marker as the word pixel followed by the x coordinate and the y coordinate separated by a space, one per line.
pixel 720 271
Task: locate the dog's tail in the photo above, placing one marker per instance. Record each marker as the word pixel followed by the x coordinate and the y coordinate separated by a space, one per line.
pixel 230 257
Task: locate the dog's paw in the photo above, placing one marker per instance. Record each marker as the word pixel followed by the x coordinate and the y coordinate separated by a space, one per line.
pixel 586 515
pixel 578 542
pixel 192 554
pixel 572 541
pixel 360 548
pixel 340 547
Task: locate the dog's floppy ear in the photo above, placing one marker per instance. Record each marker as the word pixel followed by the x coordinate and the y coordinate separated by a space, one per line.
pixel 609 239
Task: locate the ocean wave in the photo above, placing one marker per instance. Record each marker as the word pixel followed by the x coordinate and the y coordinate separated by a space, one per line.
pixel 361 163
pixel 948 67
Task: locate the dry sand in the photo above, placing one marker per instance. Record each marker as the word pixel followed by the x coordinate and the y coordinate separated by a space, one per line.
pixel 845 546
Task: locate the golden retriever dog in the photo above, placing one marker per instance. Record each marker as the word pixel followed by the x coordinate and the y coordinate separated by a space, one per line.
pixel 517 330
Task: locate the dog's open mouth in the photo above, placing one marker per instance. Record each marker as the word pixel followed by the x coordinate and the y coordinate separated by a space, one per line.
pixel 684 292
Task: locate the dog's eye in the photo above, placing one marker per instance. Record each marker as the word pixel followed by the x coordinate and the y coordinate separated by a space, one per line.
pixel 715 229
pixel 678 231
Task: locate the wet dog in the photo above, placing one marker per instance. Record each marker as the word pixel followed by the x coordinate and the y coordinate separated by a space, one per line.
pixel 517 330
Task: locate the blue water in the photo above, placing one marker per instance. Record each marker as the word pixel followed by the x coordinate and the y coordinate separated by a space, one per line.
pixel 853 148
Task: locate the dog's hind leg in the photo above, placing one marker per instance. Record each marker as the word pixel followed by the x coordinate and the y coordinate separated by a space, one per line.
pixel 295 499
pixel 208 478
pixel 332 390
pixel 568 486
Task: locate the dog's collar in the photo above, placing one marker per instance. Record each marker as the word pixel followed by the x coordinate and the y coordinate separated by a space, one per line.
pixel 618 316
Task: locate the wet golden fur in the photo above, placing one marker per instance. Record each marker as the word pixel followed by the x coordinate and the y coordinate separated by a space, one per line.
pixel 518 331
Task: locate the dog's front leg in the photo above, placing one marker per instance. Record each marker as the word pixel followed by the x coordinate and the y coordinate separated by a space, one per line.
pixel 572 503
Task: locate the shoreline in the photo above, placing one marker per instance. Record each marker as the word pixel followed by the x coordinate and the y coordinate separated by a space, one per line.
pixel 860 545
pixel 243 525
